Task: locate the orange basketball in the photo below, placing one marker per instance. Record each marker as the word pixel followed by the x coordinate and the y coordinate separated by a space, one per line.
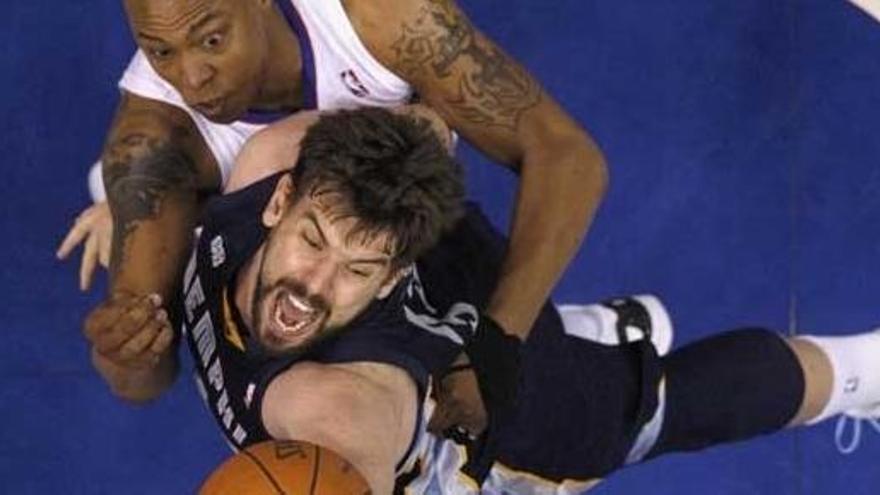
pixel 285 467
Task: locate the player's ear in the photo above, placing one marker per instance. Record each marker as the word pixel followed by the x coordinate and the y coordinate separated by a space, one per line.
pixel 279 202
pixel 391 281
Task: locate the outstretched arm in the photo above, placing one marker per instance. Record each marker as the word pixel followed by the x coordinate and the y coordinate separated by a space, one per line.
pixel 365 412
pixel 494 103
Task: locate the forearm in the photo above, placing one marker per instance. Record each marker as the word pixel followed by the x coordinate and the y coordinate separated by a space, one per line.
pixel 560 188
pixel 137 385
pixel 155 164
pixel 153 199
pixel 365 412
pixel 151 245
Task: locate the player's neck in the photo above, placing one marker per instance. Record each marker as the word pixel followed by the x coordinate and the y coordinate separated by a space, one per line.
pixel 282 86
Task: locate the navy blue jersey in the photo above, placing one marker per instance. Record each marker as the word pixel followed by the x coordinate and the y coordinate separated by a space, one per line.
pixel 232 374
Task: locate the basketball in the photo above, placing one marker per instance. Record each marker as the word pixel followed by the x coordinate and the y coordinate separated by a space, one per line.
pixel 288 468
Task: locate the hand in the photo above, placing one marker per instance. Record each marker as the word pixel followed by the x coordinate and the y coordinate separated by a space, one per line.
pixel 132 332
pixel 94 228
pixel 459 404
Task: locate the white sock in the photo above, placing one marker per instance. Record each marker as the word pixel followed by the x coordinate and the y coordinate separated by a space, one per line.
pixel 855 362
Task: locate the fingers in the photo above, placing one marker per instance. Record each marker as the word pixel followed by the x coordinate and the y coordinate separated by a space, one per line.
pixel 104 243
pixel 163 340
pixel 477 423
pixel 440 420
pixel 120 318
pixel 455 416
pixel 132 331
pixel 94 230
pixel 89 262
pixel 140 312
pixel 74 237
pixel 104 231
pixel 139 345
pixel 104 317
pixel 459 405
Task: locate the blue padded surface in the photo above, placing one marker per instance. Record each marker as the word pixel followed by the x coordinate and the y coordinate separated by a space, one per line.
pixel 741 139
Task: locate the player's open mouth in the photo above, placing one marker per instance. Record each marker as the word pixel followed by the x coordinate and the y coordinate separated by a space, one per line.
pixel 294 316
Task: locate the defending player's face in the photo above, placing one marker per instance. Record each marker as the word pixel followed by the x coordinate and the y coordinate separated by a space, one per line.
pixel 316 273
pixel 212 51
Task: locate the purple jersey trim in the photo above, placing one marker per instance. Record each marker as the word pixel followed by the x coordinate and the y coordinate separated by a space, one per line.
pixel 309 75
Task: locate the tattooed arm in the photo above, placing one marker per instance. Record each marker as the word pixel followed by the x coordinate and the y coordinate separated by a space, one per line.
pixel 155 164
pixel 495 104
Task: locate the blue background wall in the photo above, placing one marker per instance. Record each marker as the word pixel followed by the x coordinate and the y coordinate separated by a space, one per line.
pixel 742 141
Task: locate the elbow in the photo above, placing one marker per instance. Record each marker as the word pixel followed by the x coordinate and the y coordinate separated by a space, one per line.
pixel 596 167
pixel 265 145
pixel 137 387
pixel 592 161
pixel 142 392
pixel 136 398
pixel 268 151
pixel 583 158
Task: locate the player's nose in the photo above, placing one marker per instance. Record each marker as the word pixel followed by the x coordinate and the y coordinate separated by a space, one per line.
pixel 196 72
pixel 319 278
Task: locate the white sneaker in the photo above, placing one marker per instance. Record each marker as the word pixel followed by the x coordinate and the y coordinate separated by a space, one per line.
pixel 621 320
pixel 867 412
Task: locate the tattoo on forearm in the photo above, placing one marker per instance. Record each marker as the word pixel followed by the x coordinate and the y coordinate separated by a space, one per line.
pixel 492 89
pixel 140 171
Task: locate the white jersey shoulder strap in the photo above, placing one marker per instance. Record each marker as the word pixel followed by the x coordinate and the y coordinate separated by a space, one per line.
pixel 346 74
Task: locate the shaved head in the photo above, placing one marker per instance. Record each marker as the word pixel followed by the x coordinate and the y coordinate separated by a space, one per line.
pixel 214 52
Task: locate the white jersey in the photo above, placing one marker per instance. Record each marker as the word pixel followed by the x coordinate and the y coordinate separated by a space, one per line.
pixel 338 72
pixel 438 467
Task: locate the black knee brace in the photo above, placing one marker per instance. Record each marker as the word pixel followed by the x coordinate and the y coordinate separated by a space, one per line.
pixel 729 387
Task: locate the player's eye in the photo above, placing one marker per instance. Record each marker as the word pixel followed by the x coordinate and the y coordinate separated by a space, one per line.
pixel 311 241
pixel 360 272
pixel 160 53
pixel 213 41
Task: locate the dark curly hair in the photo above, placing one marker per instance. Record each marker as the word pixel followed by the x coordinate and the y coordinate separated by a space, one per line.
pixel 392 172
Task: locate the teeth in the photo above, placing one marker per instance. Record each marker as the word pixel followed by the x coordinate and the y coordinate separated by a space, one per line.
pixel 300 305
pixel 296 328
pixel 290 330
